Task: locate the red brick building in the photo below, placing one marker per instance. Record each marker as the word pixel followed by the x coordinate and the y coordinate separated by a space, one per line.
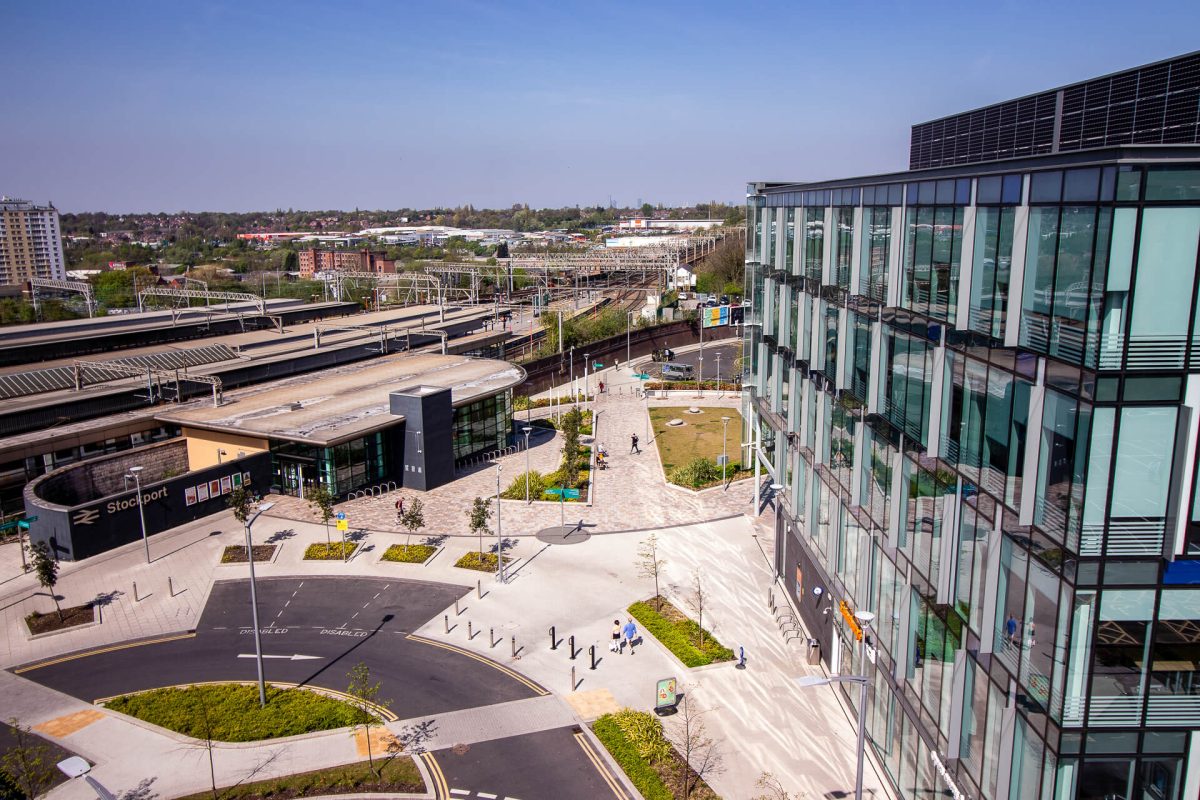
pixel 313 261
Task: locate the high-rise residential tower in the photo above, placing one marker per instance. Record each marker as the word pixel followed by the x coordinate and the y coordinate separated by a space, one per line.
pixel 978 383
pixel 30 242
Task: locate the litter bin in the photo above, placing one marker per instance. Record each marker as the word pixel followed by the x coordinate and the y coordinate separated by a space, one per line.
pixel 814 652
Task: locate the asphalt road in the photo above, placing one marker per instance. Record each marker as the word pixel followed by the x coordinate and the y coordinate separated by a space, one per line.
pixel 313 630
pixel 728 352
pixel 549 765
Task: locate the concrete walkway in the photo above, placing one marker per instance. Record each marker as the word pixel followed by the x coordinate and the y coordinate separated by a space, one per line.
pixel 762 721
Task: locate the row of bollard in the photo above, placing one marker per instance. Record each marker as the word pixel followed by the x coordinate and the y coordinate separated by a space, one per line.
pixel 492 640
pixel 137 598
pixel 573 652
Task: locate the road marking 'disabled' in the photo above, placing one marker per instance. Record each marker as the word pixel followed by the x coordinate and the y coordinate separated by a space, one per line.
pixel 441 790
pixel 101 650
pixel 601 767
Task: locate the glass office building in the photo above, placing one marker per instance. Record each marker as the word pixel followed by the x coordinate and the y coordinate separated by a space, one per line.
pixel 979 385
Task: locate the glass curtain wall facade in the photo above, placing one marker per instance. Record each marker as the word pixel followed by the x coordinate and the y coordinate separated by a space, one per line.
pixel 988 439
pixel 483 425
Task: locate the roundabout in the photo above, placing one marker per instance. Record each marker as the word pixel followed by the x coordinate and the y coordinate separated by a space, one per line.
pixel 317 629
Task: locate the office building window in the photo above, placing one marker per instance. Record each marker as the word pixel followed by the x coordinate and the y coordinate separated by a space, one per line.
pixel 843 246
pixel 876 245
pixel 933 251
pixel 814 243
pixel 990 273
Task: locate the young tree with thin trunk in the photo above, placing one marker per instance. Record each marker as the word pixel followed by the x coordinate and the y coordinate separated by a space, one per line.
pixel 366 701
pixel 240 502
pixel 413 519
pixel 700 755
pixel 650 565
pixel 46 569
pixel 478 517
pixel 696 601
pixel 27 763
pixel 320 500
pixel 773 789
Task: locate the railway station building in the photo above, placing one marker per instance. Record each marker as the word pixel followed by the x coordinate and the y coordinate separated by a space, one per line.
pixel 403 420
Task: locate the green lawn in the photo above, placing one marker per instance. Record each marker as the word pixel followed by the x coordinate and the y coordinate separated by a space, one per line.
pixel 400 776
pixel 409 554
pixel 698 437
pixel 679 634
pixel 233 713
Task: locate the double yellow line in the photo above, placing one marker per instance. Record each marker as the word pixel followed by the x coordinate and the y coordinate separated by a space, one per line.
pixel 441 790
pixel 602 768
pixel 516 676
pixel 101 650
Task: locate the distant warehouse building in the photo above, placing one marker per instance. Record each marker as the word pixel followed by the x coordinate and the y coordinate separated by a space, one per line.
pixel 406 419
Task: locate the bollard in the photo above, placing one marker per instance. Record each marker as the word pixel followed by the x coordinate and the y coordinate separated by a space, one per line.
pixel 135 597
pixel 456 611
pixel 170 587
pixel 479 588
pixel 491 637
pixel 572 647
pixel 592 651
pixel 572 678
pixel 470 633
pixel 514 647
pixel 446 621
pixel 553 640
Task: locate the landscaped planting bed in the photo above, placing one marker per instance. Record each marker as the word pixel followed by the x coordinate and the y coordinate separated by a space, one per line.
pixel 485 562
pixel 399 776
pixel 679 634
pixel 236 553
pixel 636 741
pixel 410 553
pixel 230 712
pixel 39 622
pixel 337 551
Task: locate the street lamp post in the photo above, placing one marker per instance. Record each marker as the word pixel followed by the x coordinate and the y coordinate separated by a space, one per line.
pixel 724 450
pixel 865 617
pixel 262 687
pixel 574 398
pixel 136 474
pixel 526 430
pixel 586 363
pixel 220 454
pixel 720 389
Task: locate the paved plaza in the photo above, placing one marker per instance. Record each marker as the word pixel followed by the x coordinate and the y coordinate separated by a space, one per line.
pixel 762 720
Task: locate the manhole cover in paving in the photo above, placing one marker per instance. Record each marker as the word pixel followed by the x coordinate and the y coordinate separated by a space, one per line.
pixel 566 534
pixel 460 749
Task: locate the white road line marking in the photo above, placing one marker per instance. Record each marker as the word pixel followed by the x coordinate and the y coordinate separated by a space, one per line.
pixel 385 586
pixel 462 792
pixel 288 603
pixel 280 614
pixel 376 597
pixel 366 604
pixel 486 796
pixel 301 584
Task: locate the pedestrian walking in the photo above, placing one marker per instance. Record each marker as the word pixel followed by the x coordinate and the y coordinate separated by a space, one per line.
pixel 1010 629
pixel 601 387
pixel 615 646
pixel 630 631
pixel 634 445
pixel 400 506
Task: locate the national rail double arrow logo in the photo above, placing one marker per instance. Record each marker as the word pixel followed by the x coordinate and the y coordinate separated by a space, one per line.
pixel 87 516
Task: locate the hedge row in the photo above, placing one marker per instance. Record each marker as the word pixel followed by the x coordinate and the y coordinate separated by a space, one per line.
pixel 624 752
pixel 680 637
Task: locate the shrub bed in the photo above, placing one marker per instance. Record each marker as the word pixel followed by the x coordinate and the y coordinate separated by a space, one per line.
pixel 399 776
pixel 337 551
pixel 643 776
pixel 75 615
pixel 236 553
pixel 482 563
pixel 679 634
pixel 233 713
pixel 638 744
pixel 410 553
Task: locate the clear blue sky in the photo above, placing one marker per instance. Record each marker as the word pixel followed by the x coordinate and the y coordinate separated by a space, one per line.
pixel 149 106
